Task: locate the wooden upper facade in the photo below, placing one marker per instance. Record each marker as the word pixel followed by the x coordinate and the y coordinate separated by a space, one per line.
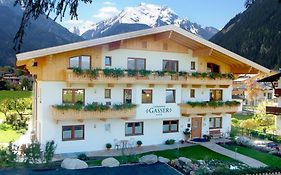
pixel 51 64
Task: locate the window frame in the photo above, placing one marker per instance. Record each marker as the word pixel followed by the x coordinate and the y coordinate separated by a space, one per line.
pixel 110 60
pixel 109 97
pixel 174 94
pixel 135 65
pixel 73 131
pixel 192 65
pixel 214 126
pixel 176 61
pixel 212 65
pixel 170 126
pixel 216 94
pixel 134 129
pixel 150 95
pixel 80 61
pixel 73 95
pixel 124 99
pixel 192 95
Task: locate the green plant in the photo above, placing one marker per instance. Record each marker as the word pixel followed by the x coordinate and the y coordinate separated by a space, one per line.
pixel 160 73
pixel 113 72
pixel 194 104
pixel 170 142
pixel 182 73
pixel 144 73
pixel 139 142
pixel 83 157
pixel 195 74
pixel 213 75
pixel 77 106
pixel 49 151
pixel 132 73
pixel 77 71
pixel 96 107
pixel 33 153
pixel 108 145
pixel 93 73
pixel 123 106
pixel 204 74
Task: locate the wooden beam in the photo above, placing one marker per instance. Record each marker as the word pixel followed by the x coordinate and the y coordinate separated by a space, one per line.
pixel 103 119
pixel 163 36
pixel 90 84
pixel 243 70
pixel 196 86
pixel 202 52
pixel 114 45
pixel 185 115
pixel 151 85
pixel 170 86
pixel 210 86
pixel 184 86
pixel 124 118
pixel 110 85
pixel 80 120
pixel 224 86
pixel 129 85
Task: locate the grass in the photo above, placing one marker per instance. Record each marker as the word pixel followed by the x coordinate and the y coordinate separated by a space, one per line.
pixel 8 135
pixel 14 94
pixel 266 158
pixel 196 152
pixel 242 116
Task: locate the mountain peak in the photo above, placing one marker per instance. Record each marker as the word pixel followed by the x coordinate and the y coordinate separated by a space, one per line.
pixel 142 16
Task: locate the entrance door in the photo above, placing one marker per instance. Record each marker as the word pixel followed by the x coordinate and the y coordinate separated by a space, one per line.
pixel 196 128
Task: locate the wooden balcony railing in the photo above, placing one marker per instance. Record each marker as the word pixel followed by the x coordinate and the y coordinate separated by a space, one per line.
pixel 72 77
pixel 273 110
pixel 71 114
pixel 277 92
pixel 187 110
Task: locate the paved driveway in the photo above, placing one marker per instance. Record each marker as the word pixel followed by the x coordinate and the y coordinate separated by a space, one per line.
pixel 155 169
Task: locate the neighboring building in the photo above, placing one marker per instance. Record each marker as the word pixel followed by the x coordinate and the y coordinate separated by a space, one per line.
pixel 264 91
pixel 174 56
pixel 275 80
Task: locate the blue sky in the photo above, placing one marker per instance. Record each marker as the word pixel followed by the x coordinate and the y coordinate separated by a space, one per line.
pixel 214 13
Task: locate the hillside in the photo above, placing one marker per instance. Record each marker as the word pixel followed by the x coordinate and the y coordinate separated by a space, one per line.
pixel 40 34
pixel 255 33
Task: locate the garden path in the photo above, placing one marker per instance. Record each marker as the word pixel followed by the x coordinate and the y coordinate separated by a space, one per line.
pixel 237 156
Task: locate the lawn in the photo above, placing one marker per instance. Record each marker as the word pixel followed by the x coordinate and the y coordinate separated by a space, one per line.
pixel 196 152
pixel 242 116
pixel 8 135
pixel 14 94
pixel 266 158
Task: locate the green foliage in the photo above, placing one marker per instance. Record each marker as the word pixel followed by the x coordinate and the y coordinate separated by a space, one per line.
pixel 261 117
pixel 196 74
pixel 204 74
pixel 76 106
pixel 96 107
pixel 108 145
pixel 144 73
pixel 49 151
pixel 132 73
pixel 113 72
pixel 83 157
pixel 123 106
pixel 170 142
pixel 33 153
pixel 213 103
pixel 78 71
pixel 93 73
pixel 25 84
pixel 160 73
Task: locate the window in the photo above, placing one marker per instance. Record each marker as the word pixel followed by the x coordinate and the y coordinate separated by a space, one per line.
pixel 136 63
pixel 146 96
pixel 192 66
pixel 83 62
pixel 135 128
pixel 73 95
pixel 211 67
pixel 170 65
pixel 215 95
pixel 170 126
pixel 127 96
pixel 73 132
pixel 215 122
pixel 170 96
pixel 192 93
pixel 269 96
pixel 107 93
pixel 107 61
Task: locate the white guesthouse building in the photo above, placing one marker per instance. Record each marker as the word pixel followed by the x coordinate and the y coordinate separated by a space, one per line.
pixel 161 71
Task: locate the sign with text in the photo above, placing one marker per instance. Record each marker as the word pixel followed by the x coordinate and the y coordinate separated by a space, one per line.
pixel 158 111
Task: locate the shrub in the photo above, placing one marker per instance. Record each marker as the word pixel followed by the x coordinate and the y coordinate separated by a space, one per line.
pixel 248 124
pixel 93 73
pixel 33 153
pixel 83 157
pixel 144 73
pixel 139 142
pixel 76 106
pixel 108 145
pixel 132 73
pixel 204 74
pixel 49 151
pixel 160 73
pixel 169 141
pixel 196 74
pixel 113 72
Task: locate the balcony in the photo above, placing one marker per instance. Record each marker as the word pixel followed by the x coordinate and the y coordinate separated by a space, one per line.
pixel 80 115
pixel 277 92
pixel 188 110
pixel 152 78
pixel 273 110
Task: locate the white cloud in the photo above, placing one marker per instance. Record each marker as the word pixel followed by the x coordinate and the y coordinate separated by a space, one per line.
pixel 106 12
pixel 109 3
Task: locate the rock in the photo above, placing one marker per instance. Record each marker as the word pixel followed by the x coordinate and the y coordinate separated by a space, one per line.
pixel 201 162
pixel 192 173
pixel 163 160
pixel 110 162
pixel 73 164
pixel 185 160
pixel 149 159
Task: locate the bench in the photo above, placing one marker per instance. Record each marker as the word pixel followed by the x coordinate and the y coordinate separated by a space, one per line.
pixel 215 133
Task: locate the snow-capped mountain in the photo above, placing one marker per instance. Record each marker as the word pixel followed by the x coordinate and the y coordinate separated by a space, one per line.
pixel 142 17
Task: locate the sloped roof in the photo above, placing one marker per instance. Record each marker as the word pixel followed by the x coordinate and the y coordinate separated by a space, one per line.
pixel 271 78
pixel 140 33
